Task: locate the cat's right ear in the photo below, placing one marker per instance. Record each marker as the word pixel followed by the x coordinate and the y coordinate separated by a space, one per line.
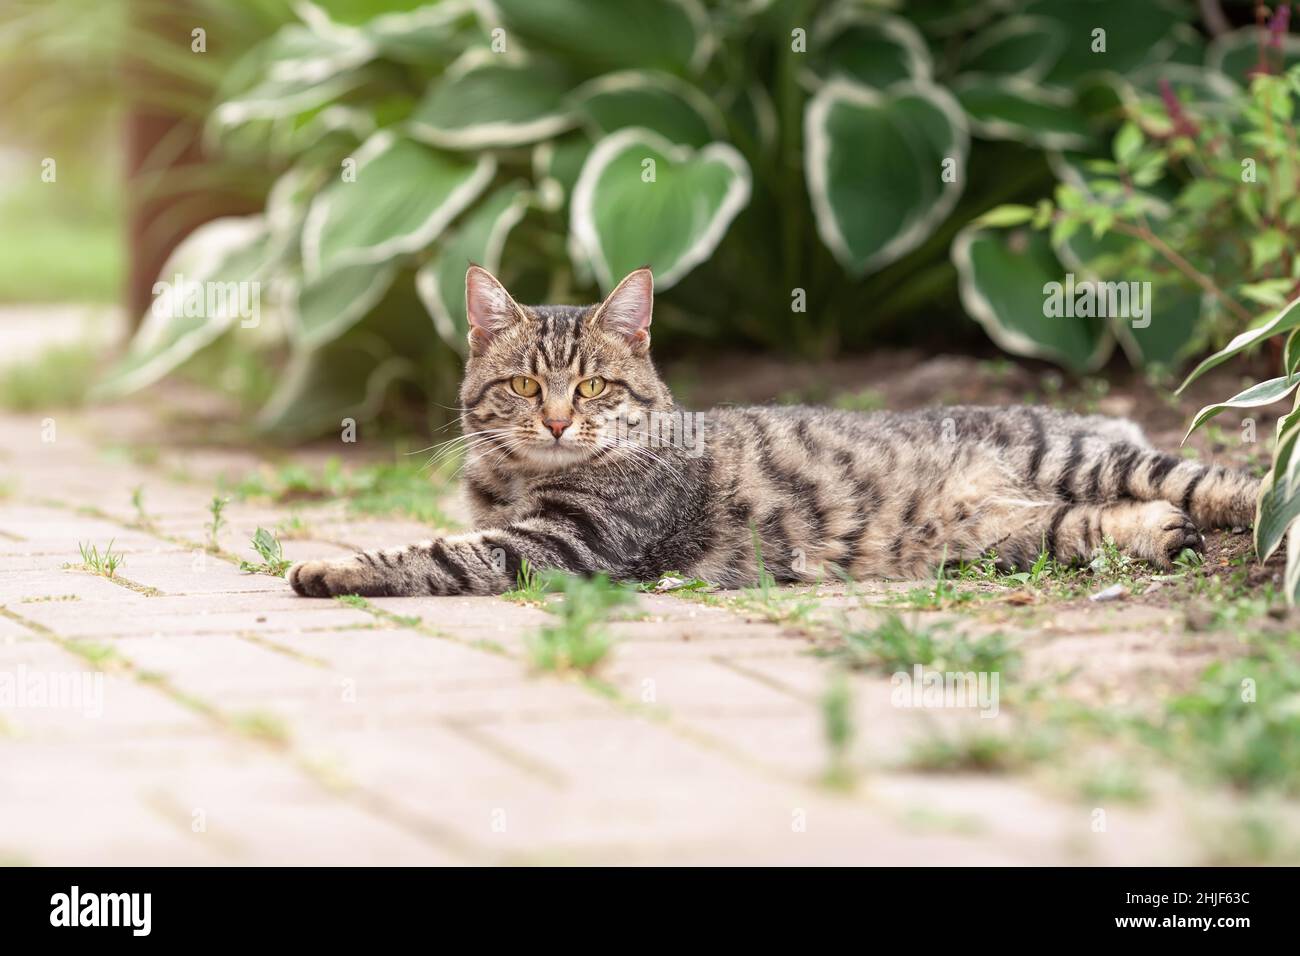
pixel 488 306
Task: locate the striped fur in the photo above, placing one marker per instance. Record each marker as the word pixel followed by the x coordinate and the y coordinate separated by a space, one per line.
pixel 826 492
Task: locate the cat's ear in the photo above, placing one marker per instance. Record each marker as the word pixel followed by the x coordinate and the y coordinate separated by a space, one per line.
pixel 488 306
pixel 626 311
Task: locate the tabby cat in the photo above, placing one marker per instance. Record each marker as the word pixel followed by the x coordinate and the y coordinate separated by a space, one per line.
pixel 578 460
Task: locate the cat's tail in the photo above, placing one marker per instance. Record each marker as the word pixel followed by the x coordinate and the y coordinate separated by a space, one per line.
pixel 1214 496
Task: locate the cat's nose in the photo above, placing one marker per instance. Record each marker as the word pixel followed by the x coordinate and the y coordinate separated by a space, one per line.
pixel 557 425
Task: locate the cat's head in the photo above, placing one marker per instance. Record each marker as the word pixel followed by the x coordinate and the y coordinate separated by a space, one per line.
pixel 550 386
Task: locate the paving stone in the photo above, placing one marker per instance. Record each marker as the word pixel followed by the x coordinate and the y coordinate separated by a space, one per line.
pixel 23 591
pixel 46 691
pixel 143 802
pixel 256 612
pixel 196 572
pixel 695 687
pixel 42 530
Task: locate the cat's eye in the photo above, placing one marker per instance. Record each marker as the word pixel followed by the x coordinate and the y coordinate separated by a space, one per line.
pixel 525 386
pixel 591 387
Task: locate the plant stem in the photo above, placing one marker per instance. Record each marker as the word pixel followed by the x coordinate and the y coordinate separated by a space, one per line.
pixel 1183 266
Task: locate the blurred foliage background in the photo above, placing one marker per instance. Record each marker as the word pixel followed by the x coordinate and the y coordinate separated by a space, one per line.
pixel 805 177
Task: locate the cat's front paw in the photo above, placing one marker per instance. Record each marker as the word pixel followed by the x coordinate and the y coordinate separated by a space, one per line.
pixel 331 578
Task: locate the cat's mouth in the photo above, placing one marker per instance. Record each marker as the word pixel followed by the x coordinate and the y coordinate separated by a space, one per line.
pixel 556 453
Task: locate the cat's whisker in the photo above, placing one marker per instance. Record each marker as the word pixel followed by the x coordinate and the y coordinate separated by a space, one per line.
pixel 464 443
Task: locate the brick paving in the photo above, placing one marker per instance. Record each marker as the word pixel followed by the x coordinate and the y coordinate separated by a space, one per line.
pixel 240 724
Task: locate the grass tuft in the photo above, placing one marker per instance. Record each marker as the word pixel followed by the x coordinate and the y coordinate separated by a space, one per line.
pixel 274 563
pixel 579 639
pixel 103 563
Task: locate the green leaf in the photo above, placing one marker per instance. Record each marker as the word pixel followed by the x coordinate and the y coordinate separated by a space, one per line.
pixel 1172 333
pixel 409 31
pixel 1019 45
pixel 486 101
pixel 1004 282
pixel 1010 215
pixel 875 166
pixel 1127 142
pixel 1236 54
pixel 662 34
pixel 1267 247
pixel 1285 320
pixel 671 107
pixel 1261 393
pixel 356 13
pixel 332 303
pixel 556 165
pixel 1291 353
pixel 622 218
pixel 347 378
pixel 1270 292
pixel 1132 30
pixel 300 70
pixel 1022 111
pixel 202 291
pixel 1291 578
pixel 869 47
pixel 1279 508
pixel 404 195
pixel 479 238
pixel 1285 461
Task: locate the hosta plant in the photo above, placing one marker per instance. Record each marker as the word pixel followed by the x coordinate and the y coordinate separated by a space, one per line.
pixel 793 170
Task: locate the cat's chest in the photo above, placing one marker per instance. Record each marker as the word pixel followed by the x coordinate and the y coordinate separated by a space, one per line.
pixel 494 498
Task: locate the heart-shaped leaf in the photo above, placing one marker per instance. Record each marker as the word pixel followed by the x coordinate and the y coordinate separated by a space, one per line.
pixel 875 164
pixel 1005 279
pixel 1020 46
pixel 347 378
pixel 1169 334
pixel 410 31
pixel 403 196
pixel 1018 109
pixel 556 165
pixel 1108 35
pixel 299 70
pixel 643 200
pixel 479 238
pixel 661 34
pixel 210 282
pixel 656 101
pixel 486 101
pixel 1156 323
pixel 869 47
pixel 356 13
pixel 332 303
pixel 1236 54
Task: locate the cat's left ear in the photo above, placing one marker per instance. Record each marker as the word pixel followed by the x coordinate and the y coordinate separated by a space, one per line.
pixel 626 311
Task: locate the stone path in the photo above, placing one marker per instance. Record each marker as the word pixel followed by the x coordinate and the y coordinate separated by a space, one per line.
pixel 222 720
